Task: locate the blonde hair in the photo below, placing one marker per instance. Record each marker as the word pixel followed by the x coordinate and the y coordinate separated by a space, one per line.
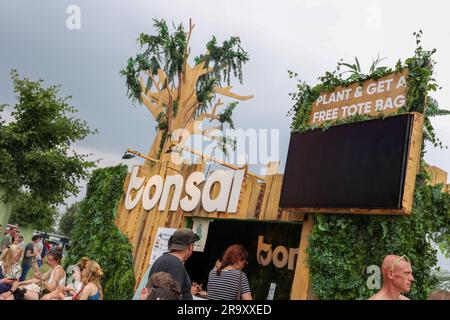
pixel 8 257
pixel 94 274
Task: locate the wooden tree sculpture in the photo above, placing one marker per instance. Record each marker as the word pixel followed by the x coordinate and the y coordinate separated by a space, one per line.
pixel 178 95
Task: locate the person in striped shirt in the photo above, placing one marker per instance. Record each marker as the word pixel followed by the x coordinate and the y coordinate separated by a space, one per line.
pixel 228 281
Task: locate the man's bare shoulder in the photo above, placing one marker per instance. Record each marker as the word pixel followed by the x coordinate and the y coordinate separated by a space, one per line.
pixel 381 296
pixel 377 296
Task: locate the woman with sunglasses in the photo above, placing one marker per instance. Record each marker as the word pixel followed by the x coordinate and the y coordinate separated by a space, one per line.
pixel 228 281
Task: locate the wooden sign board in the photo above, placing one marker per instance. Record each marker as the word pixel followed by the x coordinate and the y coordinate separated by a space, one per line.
pixel 366 167
pixel 385 95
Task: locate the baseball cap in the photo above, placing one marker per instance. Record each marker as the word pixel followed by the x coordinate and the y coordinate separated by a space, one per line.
pixel 181 238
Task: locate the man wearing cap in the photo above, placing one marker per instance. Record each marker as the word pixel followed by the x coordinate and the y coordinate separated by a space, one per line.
pixel 181 245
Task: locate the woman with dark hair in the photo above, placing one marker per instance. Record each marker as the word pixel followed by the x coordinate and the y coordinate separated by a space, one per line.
pixel 227 281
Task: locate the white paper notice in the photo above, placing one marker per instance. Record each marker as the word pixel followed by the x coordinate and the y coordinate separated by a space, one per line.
pixel 160 246
pixel 271 293
pixel 200 227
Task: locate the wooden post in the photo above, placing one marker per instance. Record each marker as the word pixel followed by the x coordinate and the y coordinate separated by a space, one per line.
pixel 300 285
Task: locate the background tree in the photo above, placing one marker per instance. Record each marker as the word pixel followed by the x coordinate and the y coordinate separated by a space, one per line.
pixel 183 94
pixel 33 210
pixel 67 221
pixel 96 236
pixel 38 164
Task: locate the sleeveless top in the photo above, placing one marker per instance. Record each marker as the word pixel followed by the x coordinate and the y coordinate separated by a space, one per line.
pixel 61 281
pixel 95 296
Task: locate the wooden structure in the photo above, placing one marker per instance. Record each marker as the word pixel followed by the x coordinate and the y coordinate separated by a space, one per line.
pixel 258 201
pixel 383 96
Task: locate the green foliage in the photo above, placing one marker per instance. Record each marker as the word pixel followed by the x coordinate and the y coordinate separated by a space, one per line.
pixel 96 236
pixel 341 247
pixel 35 153
pixel 167 51
pixel 225 60
pixel 356 73
pixel 67 221
pixel 226 115
pixel 420 81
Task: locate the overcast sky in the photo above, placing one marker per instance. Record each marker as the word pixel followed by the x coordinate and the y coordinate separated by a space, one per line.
pixel 307 36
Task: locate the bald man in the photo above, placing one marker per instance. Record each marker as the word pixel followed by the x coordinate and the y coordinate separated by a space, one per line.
pixel 397 278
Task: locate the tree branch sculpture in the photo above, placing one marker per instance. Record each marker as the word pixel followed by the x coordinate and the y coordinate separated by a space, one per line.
pixel 177 94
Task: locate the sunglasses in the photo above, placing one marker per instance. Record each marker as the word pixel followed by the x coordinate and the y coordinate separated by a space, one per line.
pixel 404 257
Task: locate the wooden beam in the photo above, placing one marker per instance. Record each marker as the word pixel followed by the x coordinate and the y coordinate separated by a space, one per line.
pixel 301 284
pixel 226 91
pixel 413 162
pixel 137 153
pixel 223 163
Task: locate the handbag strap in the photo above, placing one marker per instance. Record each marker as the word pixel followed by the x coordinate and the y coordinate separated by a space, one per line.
pixel 239 286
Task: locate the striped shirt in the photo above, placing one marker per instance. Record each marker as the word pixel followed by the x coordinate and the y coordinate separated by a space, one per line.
pixel 226 285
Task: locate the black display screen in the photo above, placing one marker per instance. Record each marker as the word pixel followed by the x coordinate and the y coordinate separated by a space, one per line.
pixel 357 165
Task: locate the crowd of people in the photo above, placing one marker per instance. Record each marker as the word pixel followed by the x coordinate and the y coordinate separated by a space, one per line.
pixel 16 260
pixel 168 278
